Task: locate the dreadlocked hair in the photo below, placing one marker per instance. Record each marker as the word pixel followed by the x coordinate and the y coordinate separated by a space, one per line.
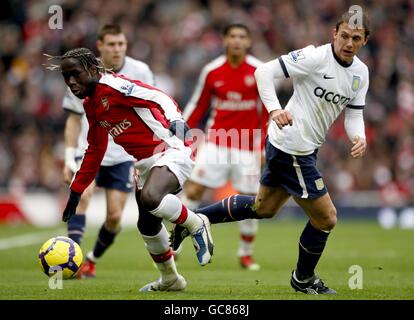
pixel 83 55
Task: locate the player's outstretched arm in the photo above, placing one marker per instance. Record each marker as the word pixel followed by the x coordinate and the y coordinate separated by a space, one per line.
pixel 98 142
pixel 199 103
pixel 265 74
pixel 355 129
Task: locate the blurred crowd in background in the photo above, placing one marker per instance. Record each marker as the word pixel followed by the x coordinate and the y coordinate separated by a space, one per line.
pixel 176 38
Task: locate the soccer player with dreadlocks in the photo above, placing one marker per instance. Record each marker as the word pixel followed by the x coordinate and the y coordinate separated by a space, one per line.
pixel 149 126
pixel 115 174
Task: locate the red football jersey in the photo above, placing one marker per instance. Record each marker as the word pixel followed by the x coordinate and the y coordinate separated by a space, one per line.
pixel 237 118
pixel 135 114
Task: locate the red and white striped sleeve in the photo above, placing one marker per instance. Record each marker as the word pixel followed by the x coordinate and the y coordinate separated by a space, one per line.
pixel 145 93
pixel 199 103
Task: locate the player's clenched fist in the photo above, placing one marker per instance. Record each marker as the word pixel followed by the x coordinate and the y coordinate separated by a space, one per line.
pixel 281 117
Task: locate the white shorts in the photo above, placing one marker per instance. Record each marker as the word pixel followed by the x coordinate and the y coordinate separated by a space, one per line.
pixel 177 160
pixel 216 165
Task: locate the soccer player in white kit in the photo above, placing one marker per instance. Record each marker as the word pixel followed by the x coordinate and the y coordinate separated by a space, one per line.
pixel 116 171
pixel 227 90
pixel 326 80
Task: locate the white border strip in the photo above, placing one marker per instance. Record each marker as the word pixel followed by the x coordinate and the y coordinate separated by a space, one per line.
pixel 305 194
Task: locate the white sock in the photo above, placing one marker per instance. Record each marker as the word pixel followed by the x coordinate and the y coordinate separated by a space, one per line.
pixel 190 204
pixel 91 257
pixel 168 270
pixel 172 209
pixel 248 229
pixel 159 243
pixel 159 248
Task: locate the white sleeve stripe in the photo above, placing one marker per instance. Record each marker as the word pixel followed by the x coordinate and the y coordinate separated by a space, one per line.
pixel 282 64
pixel 164 101
pixel 160 132
pixel 192 103
pixel 129 88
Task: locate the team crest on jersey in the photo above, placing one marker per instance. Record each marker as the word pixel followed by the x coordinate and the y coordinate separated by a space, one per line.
pixel 249 80
pixel 218 83
pixel 356 81
pixel 105 102
pixel 319 184
pixel 297 55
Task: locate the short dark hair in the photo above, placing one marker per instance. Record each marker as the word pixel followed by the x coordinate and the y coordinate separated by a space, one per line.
pixel 347 16
pixel 228 28
pixel 109 29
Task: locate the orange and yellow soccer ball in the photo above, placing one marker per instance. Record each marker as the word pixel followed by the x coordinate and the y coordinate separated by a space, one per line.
pixel 60 254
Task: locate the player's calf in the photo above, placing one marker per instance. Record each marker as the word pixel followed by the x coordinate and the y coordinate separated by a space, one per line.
pixel 234 208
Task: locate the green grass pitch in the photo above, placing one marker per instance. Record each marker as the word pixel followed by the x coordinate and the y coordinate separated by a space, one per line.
pixel 386 258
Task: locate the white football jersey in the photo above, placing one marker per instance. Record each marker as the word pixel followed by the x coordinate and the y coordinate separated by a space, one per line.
pixel 115 154
pixel 323 86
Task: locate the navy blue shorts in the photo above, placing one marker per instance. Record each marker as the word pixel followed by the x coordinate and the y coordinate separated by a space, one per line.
pixel 298 175
pixel 119 177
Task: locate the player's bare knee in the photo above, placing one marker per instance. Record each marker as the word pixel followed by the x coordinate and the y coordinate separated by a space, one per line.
pixel 264 212
pixel 328 221
pixel 331 222
pixel 151 198
pixel 113 221
pixel 332 218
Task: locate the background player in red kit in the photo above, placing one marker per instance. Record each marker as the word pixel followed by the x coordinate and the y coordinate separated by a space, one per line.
pixel 227 90
pixel 147 124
